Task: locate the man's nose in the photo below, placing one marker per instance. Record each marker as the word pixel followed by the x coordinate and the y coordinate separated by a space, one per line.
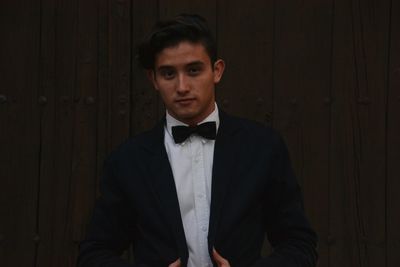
pixel 183 84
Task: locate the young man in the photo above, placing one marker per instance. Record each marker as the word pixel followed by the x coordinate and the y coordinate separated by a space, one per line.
pixel 202 187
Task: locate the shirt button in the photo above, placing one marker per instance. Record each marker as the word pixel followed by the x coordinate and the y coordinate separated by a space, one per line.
pixel 200 196
pixel 204 228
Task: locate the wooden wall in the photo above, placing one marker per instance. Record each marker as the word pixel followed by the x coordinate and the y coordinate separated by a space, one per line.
pixel 326 73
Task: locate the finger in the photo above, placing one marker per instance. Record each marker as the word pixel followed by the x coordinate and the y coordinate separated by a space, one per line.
pixel 218 258
pixel 177 263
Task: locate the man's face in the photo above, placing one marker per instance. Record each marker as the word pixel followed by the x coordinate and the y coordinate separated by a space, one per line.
pixel 185 78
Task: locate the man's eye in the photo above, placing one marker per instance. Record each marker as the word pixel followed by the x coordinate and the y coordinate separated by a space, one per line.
pixel 194 71
pixel 168 74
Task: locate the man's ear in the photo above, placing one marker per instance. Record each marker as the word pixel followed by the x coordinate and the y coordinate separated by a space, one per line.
pixel 152 78
pixel 219 67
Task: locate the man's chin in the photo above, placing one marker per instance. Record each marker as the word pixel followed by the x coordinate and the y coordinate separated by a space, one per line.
pixel 186 117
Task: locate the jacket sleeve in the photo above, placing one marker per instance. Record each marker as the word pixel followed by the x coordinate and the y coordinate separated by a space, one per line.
pixel 288 230
pixel 108 233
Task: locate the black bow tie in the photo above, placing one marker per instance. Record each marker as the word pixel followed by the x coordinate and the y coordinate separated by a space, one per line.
pixel 207 130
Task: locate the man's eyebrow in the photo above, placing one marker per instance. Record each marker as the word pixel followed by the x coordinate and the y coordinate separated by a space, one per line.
pixel 195 63
pixel 164 67
pixel 190 64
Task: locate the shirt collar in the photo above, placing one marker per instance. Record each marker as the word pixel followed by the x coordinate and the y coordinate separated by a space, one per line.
pixel 171 121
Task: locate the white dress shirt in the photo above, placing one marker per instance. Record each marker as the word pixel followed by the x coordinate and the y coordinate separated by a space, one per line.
pixel 191 163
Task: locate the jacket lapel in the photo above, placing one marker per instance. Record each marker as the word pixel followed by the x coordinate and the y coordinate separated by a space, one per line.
pixel 164 186
pixel 224 160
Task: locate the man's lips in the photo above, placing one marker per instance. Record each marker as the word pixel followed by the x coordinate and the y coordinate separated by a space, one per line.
pixel 184 100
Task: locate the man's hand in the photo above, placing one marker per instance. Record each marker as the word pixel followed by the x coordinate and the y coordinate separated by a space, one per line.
pixel 221 262
pixel 177 263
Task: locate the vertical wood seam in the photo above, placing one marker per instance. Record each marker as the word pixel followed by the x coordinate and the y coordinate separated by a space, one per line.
pixel 364 53
pixel 97 100
pixel 273 84
pixel 330 127
pixel 387 87
pixel 131 68
pixel 40 84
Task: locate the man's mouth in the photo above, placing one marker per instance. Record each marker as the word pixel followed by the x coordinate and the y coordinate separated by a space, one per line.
pixel 184 100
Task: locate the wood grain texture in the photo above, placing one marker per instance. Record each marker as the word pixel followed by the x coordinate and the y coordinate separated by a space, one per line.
pixel 205 8
pixel 245 42
pixel 84 152
pixel 358 133
pixel 302 101
pixel 20 127
pixel 55 146
pixel 393 141
pixel 119 52
pixel 145 110
pixel 103 145
pixel 69 132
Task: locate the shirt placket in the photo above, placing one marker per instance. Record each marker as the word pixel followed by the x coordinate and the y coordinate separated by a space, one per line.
pixel 201 203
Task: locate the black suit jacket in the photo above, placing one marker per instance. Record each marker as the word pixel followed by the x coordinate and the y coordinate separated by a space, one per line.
pixel 254 191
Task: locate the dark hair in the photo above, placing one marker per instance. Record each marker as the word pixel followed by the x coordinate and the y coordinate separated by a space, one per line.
pixel 167 33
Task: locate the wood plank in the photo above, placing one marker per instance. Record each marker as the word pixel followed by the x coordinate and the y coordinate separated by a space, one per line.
pixel 204 8
pixel 103 145
pixel 84 153
pixel 52 189
pixel 302 102
pixel 60 39
pixel 393 142
pixel 246 45
pixel 19 137
pixel 145 101
pixel 358 133
pixel 119 70
pixel 343 237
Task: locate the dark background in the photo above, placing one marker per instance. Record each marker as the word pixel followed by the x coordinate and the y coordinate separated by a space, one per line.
pixel 325 73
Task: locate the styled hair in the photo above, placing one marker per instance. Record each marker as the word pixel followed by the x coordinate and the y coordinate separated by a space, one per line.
pixel 168 33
